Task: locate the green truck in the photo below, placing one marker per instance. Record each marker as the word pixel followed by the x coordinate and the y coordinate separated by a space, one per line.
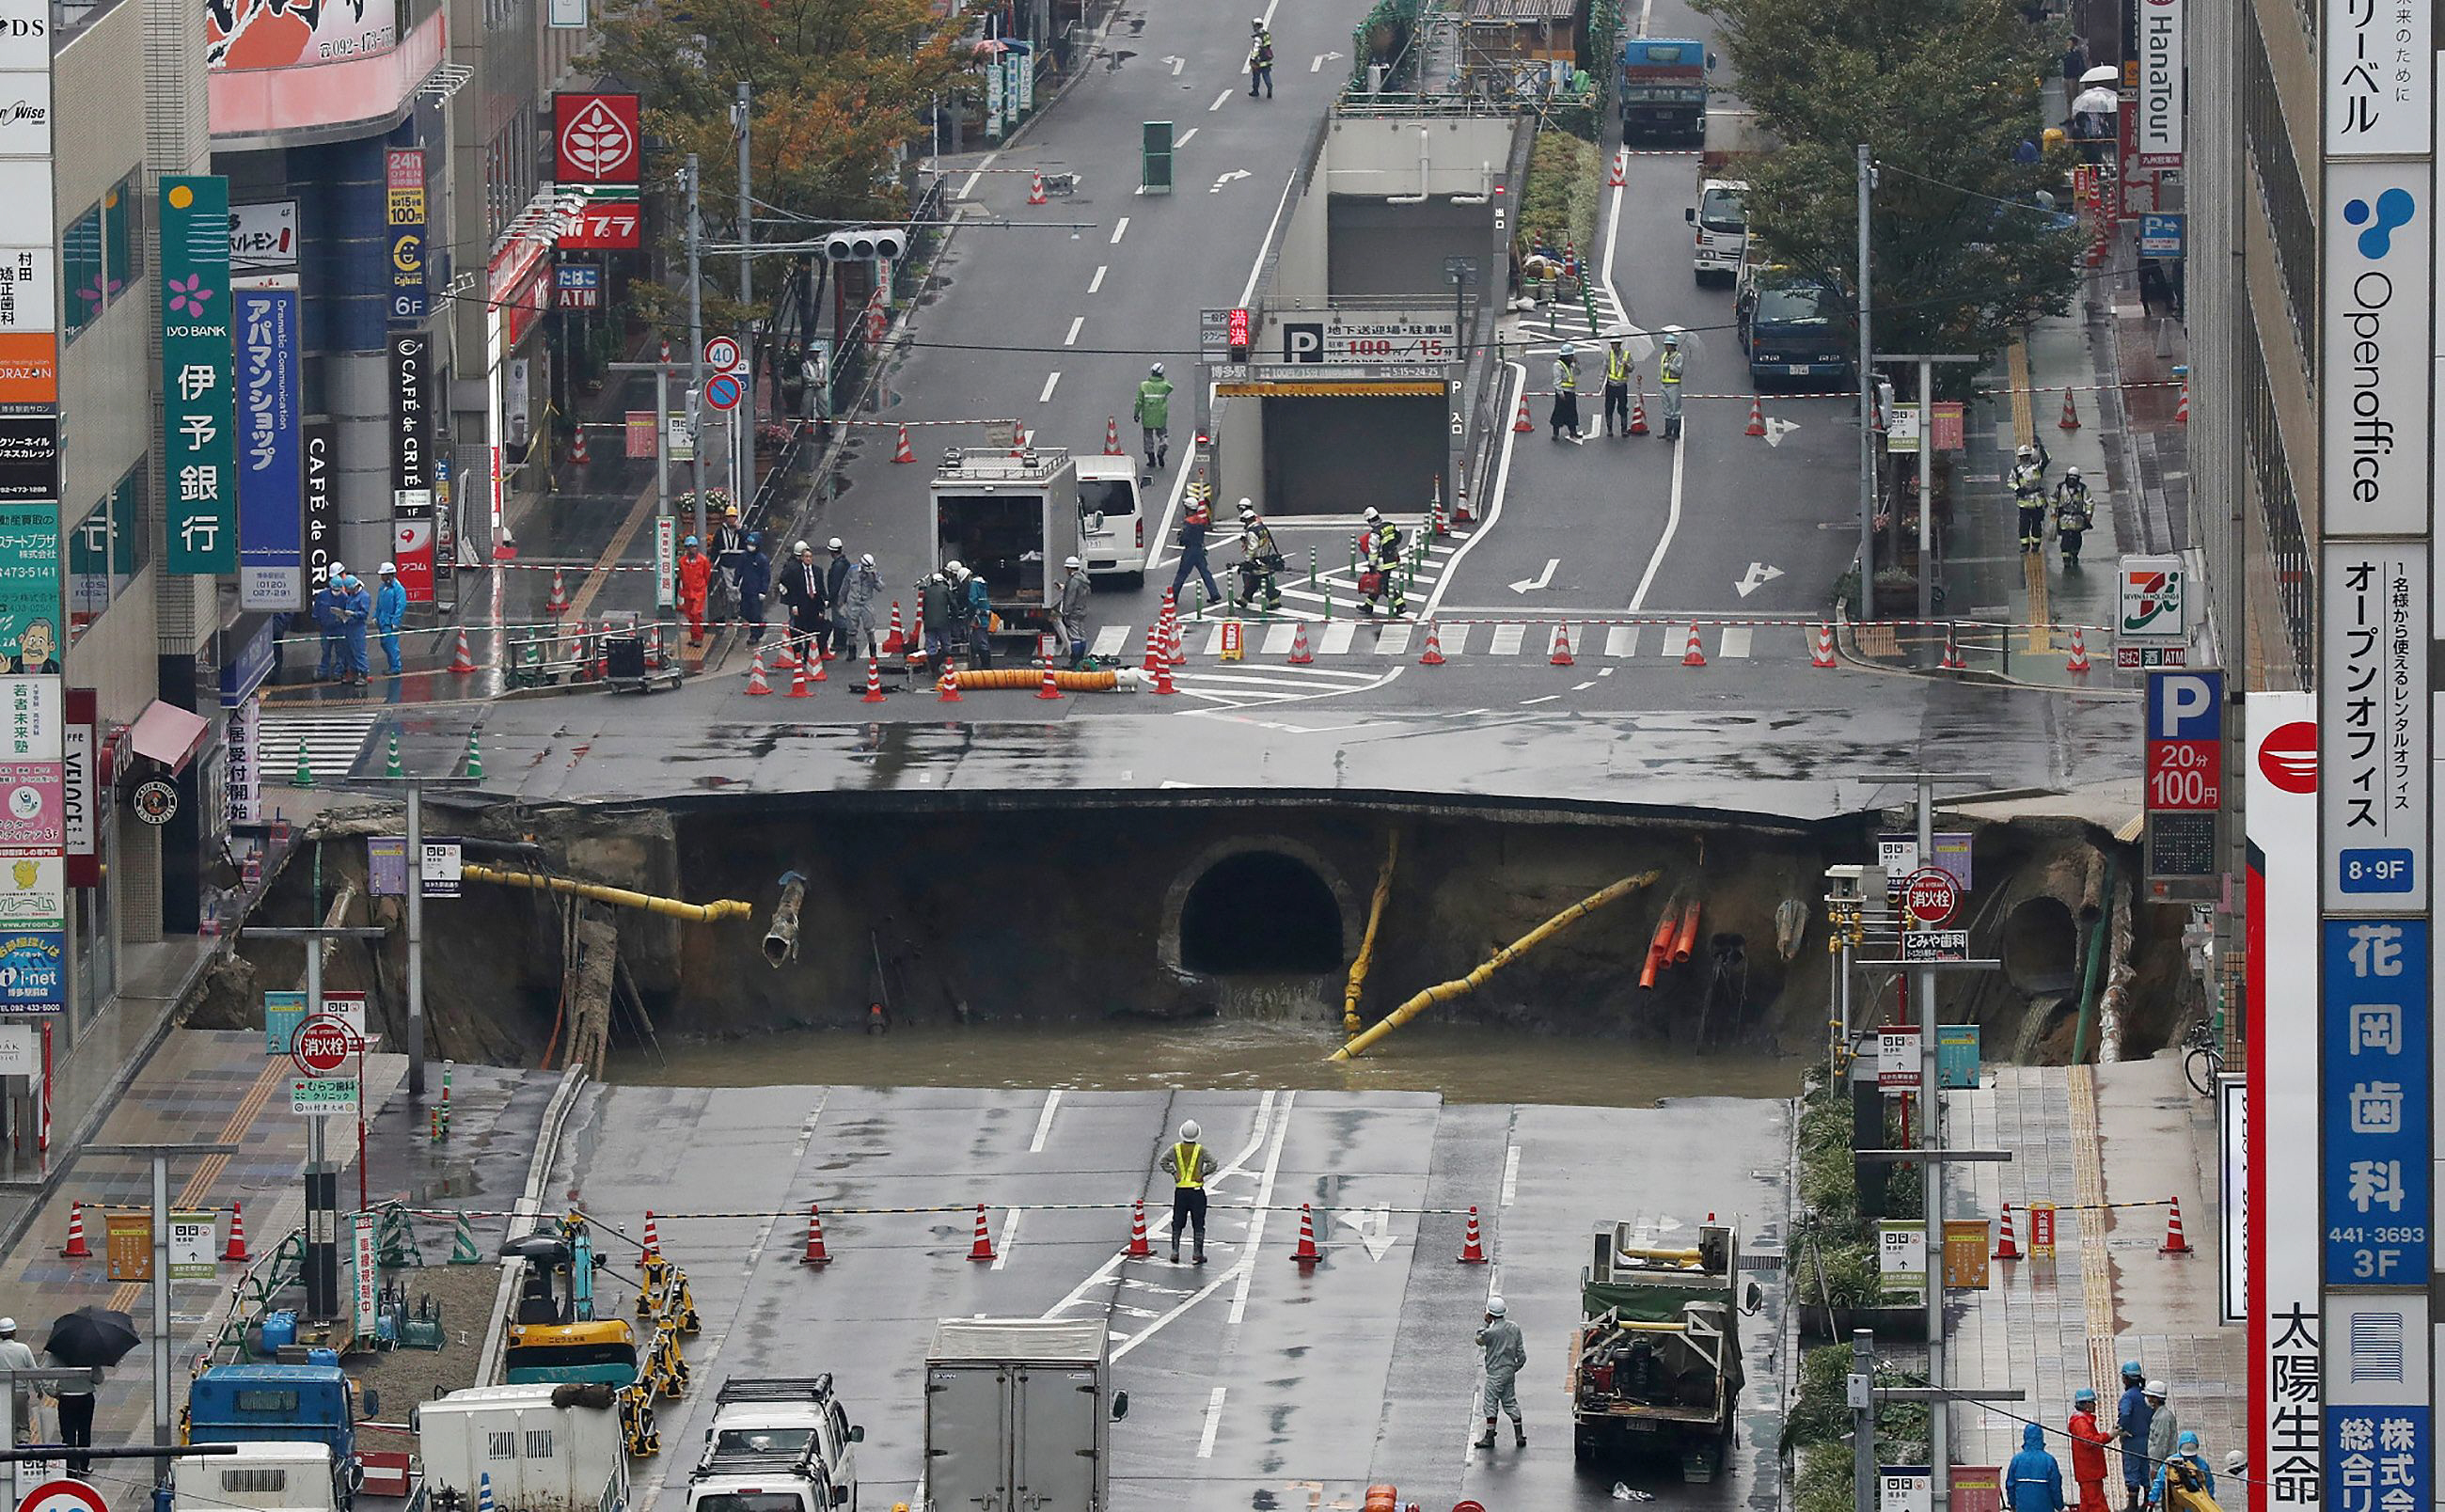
pixel 1655 1362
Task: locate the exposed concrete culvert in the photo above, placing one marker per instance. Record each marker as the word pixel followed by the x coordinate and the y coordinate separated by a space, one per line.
pixel 2041 947
pixel 1260 912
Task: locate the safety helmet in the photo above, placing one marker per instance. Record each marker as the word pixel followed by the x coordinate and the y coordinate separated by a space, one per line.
pixel 802 549
pixel 1247 511
pixel 337 570
pixel 1569 349
pixel 2071 471
pixel 2156 1389
pixel 390 570
pixel 1671 338
pixel 1071 562
pixel 1154 371
pixel 754 537
pixel 868 560
pixel 953 567
pixel 1494 1307
pixel 2131 1371
pixel 729 511
pixel 834 544
pixel 1372 516
pixel 2235 1462
pixel 1256 23
pixel 1189 1130
pixel 2026 453
pixel 2085 1396
pixel 690 541
pixel 8 1327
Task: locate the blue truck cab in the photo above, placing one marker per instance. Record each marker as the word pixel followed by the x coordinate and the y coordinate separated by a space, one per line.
pixel 1664 90
pixel 1794 327
pixel 287 1404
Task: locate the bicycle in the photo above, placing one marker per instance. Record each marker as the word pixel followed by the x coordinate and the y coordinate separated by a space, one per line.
pixel 2203 1059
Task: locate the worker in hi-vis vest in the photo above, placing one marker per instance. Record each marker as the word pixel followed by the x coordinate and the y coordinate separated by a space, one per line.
pixel 1187 1165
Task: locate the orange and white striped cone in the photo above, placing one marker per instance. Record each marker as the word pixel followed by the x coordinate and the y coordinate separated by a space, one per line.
pixel 1305 1255
pixel 1301 655
pixel 1163 682
pixel 557 602
pixel 577 456
pixel 653 1243
pixel 757 686
pixel 1757 416
pixel 1952 659
pixel 1434 654
pixel 1050 687
pixel 1154 657
pixel 2079 662
pixel 873 681
pixel 76 1247
pixel 1822 654
pixel 1472 1248
pixel 2009 1246
pixel 2070 420
pixel 463 663
pixel 1034 196
pixel 1617 180
pixel 654 646
pixel 1690 654
pixel 982 1249
pixel 785 656
pixel 2182 410
pixel 800 686
pixel 904 452
pixel 1460 514
pixel 1139 1248
pixel 815 1254
pixel 1017 440
pixel 1173 652
pixel 235 1249
pixel 1638 411
pixel 816 663
pixel 947 691
pixel 1112 437
pixel 1559 653
pixel 2175 1243
pixel 897 641
pixel 1523 424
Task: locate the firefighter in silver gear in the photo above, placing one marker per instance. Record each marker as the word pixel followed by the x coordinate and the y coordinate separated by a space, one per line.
pixel 1379 558
pixel 2029 493
pixel 2073 513
pixel 1260 559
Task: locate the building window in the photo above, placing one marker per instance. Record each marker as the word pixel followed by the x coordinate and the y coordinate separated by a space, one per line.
pixel 2281 193
pixel 2288 545
pixel 102 253
pixel 108 547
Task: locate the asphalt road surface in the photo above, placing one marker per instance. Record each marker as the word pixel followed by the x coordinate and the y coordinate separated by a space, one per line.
pixel 1251 1384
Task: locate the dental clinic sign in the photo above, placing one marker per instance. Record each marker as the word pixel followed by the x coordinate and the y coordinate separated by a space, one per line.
pixel 2378 226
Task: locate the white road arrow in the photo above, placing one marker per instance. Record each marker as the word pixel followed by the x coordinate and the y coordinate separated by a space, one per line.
pixel 1758 576
pixel 1176 63
pixel 1236 173
pixel 1322 59
pixel 1374 1227
pixel 1777 429
pixel 1540 580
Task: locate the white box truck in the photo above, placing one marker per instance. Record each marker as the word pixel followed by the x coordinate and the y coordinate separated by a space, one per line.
pixel 1017 1415
pixel 541 1448
pixel 1011 519
pixel 270 1476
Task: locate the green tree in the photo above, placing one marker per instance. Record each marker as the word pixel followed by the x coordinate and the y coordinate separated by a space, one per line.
pixel 839 86
pixel 1944 92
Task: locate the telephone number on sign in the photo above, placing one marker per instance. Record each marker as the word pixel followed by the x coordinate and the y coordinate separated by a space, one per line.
pixel 2376 1236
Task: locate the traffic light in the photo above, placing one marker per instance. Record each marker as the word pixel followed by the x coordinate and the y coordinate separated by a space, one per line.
pixel 867 242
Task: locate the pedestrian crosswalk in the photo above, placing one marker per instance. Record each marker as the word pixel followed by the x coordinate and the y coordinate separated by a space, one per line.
pixel 333 739
pixel 1244 684
pixel 1265 641
pixel 1316 584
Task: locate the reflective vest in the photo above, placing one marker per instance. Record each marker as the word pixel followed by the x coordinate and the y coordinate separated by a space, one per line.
pixel 1616 367
pixel 1670 363
pixel 1566 376
pixel 1187 1157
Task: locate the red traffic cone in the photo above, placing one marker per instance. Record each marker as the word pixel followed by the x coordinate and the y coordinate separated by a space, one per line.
pixel 462 663
pixel 904 452
pixel 1757 416
pixel 816 1252
pixel 1618 181
pixel 2079 662
pixel 1154 657
pixel 1523 424
pixel 897 641
pixel 1460 514
pixel 1017 440
pixel 654 646
pixel 577 456
pixel 1034 196
pixel 1952 659
pixel 800 686
pixel 558 601
pixel 1558 654
pixel 1638 412
pixel 982 1248
pixel 2008 1246
pixel 2183 411
pixel 1691 655
pixel 1434 654
pixel 1139 1248
pixel 1305 1255
pixel 873 681
pixel 1163 682
pixel 1301 655
pixel 785 656
pixel 1050 687
pixel 1112 437
pixel 653 1246
pixel 1823 654
pixel 76 1247
pixel 815 662
pixel 235 1248
pixel 757 686
pixel 2070 420
pixel 948 689
pixel 1472 1249
pixel 2175 1243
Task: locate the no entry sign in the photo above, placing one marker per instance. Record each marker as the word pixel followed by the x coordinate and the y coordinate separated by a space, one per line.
pixel 62 1496
pixel 1929 896
pixel 322 1045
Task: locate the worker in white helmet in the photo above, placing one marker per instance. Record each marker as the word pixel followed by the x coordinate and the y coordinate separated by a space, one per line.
pixel 16 1354
pixel 1506 1350
pixel 1187 1165
pixel 1070 610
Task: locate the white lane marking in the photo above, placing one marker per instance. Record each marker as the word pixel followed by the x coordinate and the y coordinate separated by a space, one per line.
pixel 1677 640
pixel 1582 687
pixel 1095 284
pixel 1111 639
pixel 1182 139
pixel 1394 639
pixel 1621 639
pixel 1120 229
pixel 1246 1265
pixel 1672 523
pixel 1178 64
pixel 1009 1237
pixel 1220 100
pixel 983 163
pixel 1646 9
pixel 1494 505
pixel 970 187
pixel 1506 640
pixel 1510 1174
pixel 1213 1423
pixel 1318 66
pixel 1044 1121
pixel 1102 1275
pixel 1257 1218
pixel 1075 322
pixel 1547 698
pixel 1050 379
pixel 1278 636
pixel 1736 641
pixel 1604 671
pixel 1337 637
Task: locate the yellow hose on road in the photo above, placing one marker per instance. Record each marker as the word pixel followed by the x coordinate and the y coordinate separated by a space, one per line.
pixel 1366 942
pixel 1445 991
pixel 713 912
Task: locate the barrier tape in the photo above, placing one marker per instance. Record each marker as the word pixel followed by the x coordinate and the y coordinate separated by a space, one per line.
pixel 1854 394
pixel 830 1211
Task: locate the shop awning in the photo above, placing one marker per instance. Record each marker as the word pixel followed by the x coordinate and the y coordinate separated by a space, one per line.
pixel 169 735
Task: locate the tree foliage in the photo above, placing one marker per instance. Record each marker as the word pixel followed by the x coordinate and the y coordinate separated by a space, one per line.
pixel 1944 92
pixel 838 88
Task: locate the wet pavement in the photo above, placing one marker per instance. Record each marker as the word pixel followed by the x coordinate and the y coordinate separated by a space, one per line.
pixel 1252 1384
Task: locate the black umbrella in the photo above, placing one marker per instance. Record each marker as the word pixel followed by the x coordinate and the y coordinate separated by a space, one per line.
pixel 91 1335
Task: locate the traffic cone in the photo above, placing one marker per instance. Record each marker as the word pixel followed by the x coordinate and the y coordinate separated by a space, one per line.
pixel 1034 196
pixel 1112 437
pixel 1301 655
pixel 2070 420
pixel 815 1254
pixel 800 686
pixel 461 664
pixel 1305 1255
pixel 982 1248
pixel 653 1238
pixel 1638 412
pixel 1154 657
pixel 1163 682
pixel 785 656
pixel 1017 440
pixel 1558 654
pixel 897 641
pixel 1618 181
pixel 2183 411
pixel 1757 416
pixel 873 681
pixel 557 603
pixel 76 1248
pixel 1952 660
pixel 391 758
pixel 904 452
pixel 1139 1248
pixel 235 1248
pixel 2079 662
pixel 305 777
pixel 1460 514
pixel 1472 1250
pixel 1691 655
pixel 2008 1246
pixel 1823 654
pixel 757 686
pixel 1050 688
pixel 654 648
pixel 474 764
pixel 577 456
pixel 948 689
pixel 1434 654
pixel 811 660
pixel 1523 424
pixel 2175 1243
pixel 462 1242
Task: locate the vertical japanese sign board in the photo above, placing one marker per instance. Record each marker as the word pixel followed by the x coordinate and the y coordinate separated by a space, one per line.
pixel 270 476
pixel 199 455
pixel 411 463
pixel 403 207
pixel 2182 740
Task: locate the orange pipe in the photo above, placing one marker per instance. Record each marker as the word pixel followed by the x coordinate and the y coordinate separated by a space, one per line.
pixel 1032 678
pixel 1686 943
pixel 1659 949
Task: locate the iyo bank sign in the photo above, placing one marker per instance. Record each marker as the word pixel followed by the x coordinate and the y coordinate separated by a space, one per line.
pixel 2378 225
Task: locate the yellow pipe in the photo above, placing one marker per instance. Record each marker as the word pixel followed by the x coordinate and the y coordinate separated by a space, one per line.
pixel 1445 991
pixel 1656 1252
pixel 1366 942
pixel 713 912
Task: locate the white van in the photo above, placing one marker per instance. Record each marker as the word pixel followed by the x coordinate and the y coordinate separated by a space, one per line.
pixel 1111 519
pixel 1722 236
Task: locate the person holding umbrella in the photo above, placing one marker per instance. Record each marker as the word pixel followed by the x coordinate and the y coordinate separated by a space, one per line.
pixel 90 1338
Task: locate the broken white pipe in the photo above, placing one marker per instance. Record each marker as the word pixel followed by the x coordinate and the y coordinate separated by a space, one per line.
pixel 1424 168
